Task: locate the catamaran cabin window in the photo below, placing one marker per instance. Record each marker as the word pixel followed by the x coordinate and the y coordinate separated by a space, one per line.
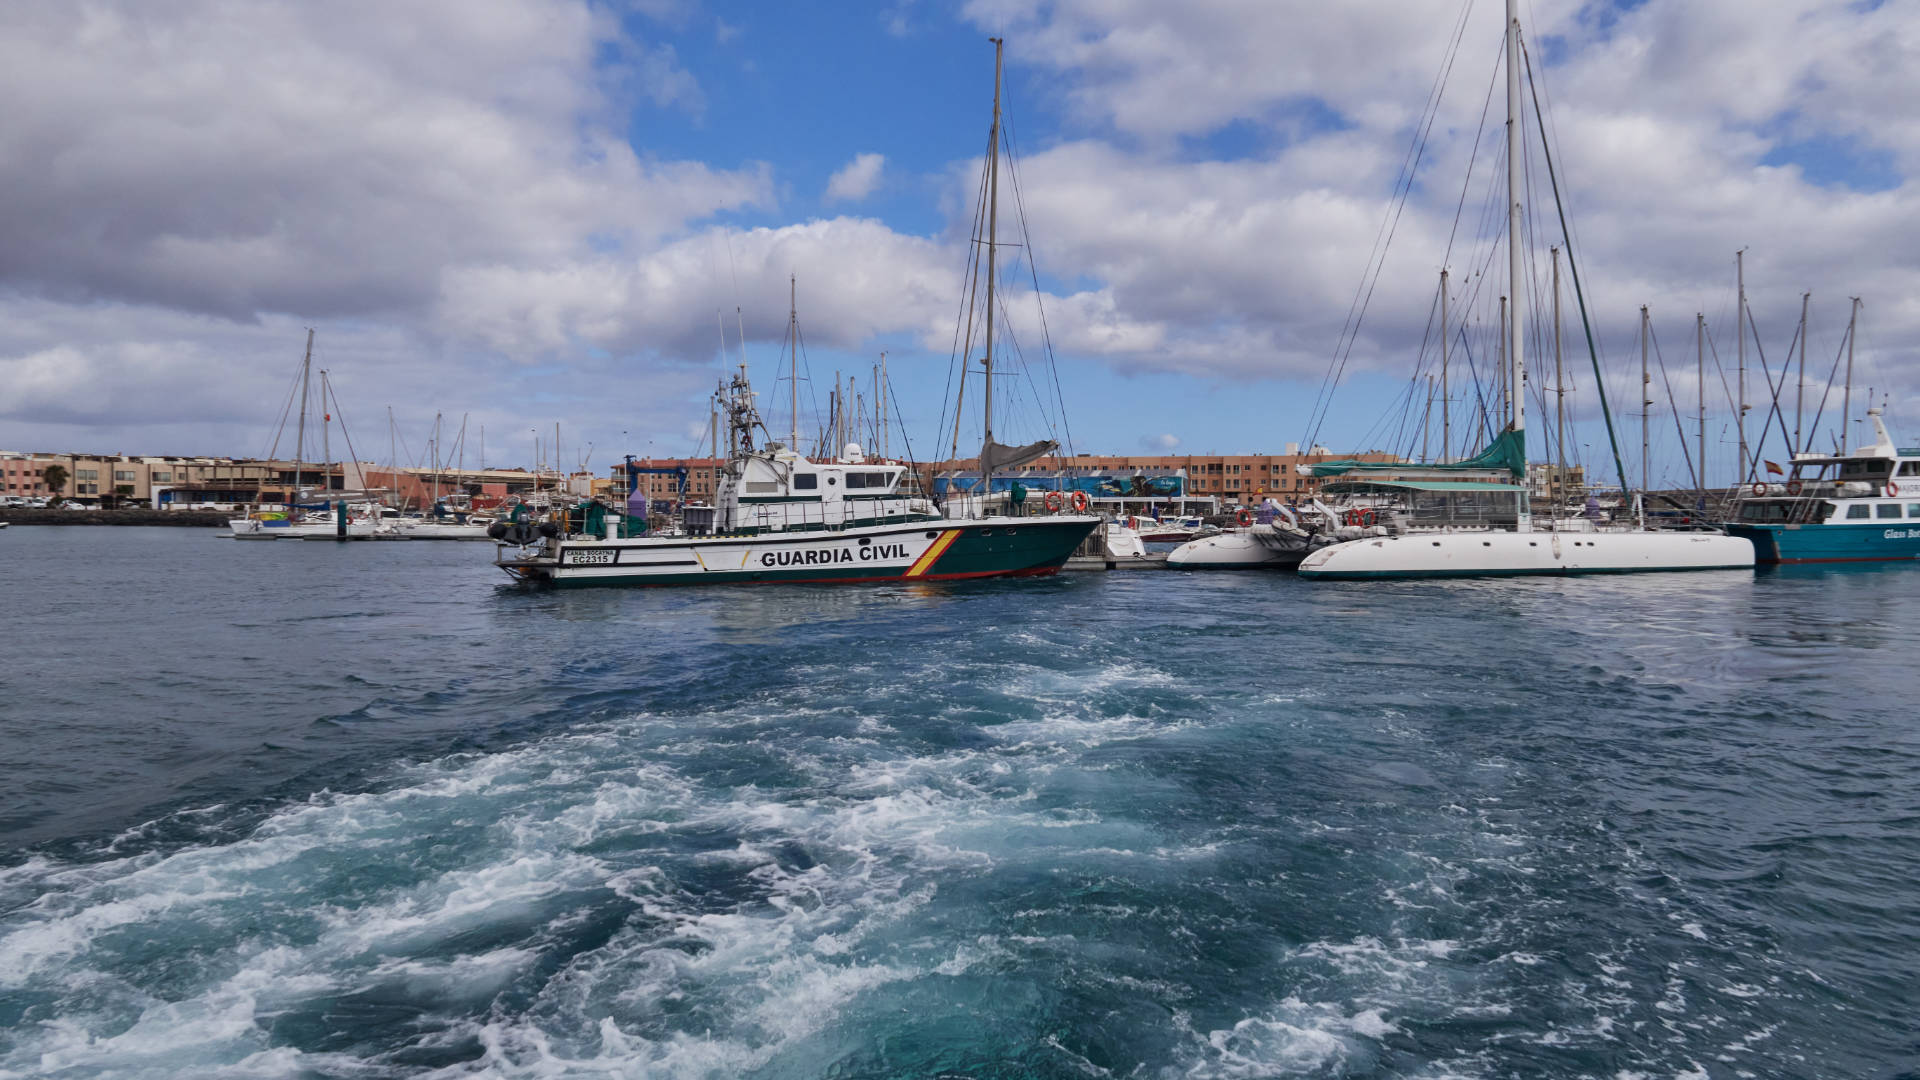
pixel 879 480
pixel 806 481
pixel 1887 510
pixel 856 480
pixel 1910 468
pixel 1913 510
pixel 1859 510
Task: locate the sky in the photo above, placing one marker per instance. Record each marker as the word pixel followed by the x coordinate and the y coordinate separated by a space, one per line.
pixel 516 213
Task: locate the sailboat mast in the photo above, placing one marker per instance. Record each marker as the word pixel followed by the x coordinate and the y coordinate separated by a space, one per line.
pixel 993 232
pixel 1646 402
pixel 300 437
pixel 1846 394
pixel 1516 314
pixel 326 444
pixel 1560 393
pixel 1700 379
pixel 1800 379
pixel 886 441
pixel 793 360
pixel 1446 418
pixel 1740 324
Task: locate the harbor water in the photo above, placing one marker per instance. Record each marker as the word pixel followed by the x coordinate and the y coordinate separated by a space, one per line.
pixel 367 810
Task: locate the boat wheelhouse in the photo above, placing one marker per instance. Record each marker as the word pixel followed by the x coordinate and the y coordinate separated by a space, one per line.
pixel 1862 506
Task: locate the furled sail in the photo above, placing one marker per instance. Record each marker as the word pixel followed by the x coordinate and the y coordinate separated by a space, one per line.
pixel 997 458
pixel 1508 451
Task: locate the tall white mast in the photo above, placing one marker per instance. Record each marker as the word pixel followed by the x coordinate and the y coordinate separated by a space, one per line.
pixel 1446 419
pixel 1516 311
pixel 300 436
pixel 1700 378
pixel 1560 393
pixel 993 232
pixel 793 360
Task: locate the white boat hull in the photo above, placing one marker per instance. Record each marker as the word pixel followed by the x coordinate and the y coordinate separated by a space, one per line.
pixel 1232 551
pixel 1494 554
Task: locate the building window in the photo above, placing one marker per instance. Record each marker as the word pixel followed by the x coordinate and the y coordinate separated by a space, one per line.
pixel 163 478
pixel 123 476
pixel 86 474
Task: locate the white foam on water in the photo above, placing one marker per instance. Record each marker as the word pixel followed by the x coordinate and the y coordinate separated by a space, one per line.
pixel 1293 1038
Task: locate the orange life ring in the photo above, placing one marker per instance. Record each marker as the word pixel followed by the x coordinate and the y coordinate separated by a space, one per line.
pixel 1244 517
pixel 1893 488
pixel 1079 501
pixel 1759 488
pixel 1793 487
pixel 1054 502
pixel 1366 518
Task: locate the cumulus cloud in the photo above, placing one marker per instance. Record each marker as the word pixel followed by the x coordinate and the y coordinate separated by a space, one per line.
pixel 457 189
pixel 1163 444
pixel 857 179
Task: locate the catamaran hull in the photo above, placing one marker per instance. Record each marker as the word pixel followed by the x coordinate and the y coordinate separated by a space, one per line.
pixel 1234 551
pixel 917 551
pixel 1499 554
pixel 1828 543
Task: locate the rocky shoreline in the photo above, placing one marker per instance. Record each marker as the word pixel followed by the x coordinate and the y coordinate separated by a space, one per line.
pixel 192 519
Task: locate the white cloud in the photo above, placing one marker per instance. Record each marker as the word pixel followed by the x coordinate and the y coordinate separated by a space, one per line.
pixel 857 179
pixel 1163 444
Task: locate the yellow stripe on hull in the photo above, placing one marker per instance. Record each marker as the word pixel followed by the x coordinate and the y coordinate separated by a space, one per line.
pixel 932 555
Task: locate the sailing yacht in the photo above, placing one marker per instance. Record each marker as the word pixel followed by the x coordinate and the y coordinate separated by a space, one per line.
pixel 1484 527
pixel 780 517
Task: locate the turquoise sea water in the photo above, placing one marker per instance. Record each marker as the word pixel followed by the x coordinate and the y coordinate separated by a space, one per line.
pixel 307 810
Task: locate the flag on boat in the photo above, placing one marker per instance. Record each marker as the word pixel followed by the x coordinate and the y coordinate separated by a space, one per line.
pixel 1775 469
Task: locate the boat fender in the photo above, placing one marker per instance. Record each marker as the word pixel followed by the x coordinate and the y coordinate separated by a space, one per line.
pixel 1053 502
pixel 1080 502
pixel 497 530
pixel 1244 517
pixel 1793 487
pixel 550 529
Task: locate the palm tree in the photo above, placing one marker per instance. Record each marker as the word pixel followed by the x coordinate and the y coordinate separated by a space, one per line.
pixel 56 479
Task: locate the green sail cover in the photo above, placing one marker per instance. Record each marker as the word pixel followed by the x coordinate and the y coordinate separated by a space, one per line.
pixel 1508 451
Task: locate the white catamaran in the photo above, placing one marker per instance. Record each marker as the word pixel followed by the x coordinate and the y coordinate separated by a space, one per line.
pixel 1504 540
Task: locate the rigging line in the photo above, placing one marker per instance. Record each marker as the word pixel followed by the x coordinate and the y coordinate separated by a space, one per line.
pixel 1774 388
pixel 1033 266
pixel 352 454
pixel 1573 265
pixel 1376 263
pixel 293 388
pixel 1479 390
pixel 1553 141
pixel 970 298
pixel 1673 403
pixel 1826 394
pixel 1479 138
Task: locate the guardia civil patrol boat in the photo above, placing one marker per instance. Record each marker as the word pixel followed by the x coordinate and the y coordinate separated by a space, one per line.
pixel 780 517
pixel 1862 506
